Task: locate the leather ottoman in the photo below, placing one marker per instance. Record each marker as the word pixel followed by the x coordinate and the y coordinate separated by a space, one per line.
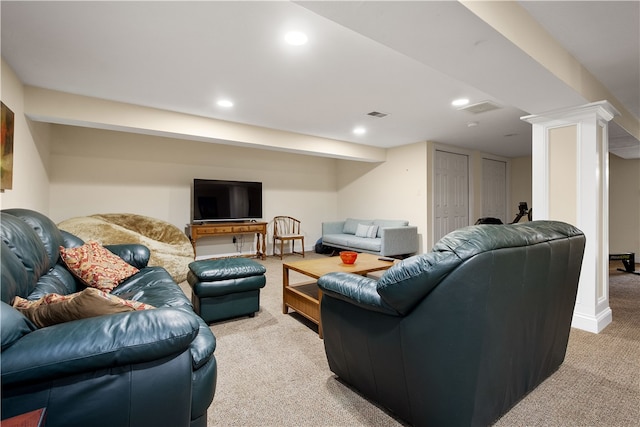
pixel 226 288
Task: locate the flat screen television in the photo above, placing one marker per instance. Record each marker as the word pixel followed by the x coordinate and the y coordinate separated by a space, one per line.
pixel 216 200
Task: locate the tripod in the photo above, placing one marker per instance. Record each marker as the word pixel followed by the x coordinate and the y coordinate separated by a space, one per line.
pixel 523 210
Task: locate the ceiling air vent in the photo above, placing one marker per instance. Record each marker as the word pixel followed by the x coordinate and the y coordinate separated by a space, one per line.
pixel 377 114
pixel 480 107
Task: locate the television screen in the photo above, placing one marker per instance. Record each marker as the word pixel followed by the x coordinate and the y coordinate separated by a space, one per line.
pixel 215 200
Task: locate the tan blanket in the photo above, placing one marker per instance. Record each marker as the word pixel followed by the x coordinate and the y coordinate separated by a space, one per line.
pixel 170 248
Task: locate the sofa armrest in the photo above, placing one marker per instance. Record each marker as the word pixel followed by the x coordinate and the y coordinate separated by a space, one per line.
pixel 204 345
pixel 399 240
pixel 332 227
pixel 354 289
pixel 98 343
pixel 134 254
pixel 71 240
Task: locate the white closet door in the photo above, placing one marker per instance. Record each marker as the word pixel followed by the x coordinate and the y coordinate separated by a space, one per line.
pixel 494 189
pixel 451 193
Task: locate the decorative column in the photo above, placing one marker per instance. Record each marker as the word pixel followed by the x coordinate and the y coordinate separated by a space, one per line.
pixel 570 167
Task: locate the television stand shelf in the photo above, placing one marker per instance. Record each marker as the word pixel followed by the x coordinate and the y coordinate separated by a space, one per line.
pixel 231 228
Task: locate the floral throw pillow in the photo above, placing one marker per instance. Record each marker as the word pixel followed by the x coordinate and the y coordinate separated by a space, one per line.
pixel 96 266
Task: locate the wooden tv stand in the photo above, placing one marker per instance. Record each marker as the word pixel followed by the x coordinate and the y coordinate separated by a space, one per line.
pixel 231 228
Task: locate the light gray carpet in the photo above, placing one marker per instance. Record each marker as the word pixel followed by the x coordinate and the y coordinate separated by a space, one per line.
pixel 272 371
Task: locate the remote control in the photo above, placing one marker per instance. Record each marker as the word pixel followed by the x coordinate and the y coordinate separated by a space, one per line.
pixel 386 259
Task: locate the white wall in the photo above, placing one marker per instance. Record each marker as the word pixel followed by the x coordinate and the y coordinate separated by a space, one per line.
pixel 395 189
pixel 624 205
pixel 401 187
pixel 30 151
pixel 99 171
pixel 624 199
pixel 521 184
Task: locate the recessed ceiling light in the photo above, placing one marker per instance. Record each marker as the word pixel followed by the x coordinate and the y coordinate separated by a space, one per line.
pixel 359 130
pixel 460 102
pixel 296 38
pixel 225 103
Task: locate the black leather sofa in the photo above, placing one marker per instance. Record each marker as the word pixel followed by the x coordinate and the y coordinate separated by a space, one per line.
pixel 141 368
pixel 457 336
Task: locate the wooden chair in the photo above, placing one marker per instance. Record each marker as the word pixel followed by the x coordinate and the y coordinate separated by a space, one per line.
pixel 287 229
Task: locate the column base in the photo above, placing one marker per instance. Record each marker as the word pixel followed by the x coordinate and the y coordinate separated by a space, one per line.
pixel 592 323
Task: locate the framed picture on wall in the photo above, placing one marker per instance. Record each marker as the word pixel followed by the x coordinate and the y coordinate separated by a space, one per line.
pixel 6 161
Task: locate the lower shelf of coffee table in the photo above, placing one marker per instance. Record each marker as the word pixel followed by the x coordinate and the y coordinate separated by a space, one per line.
pixel 304 298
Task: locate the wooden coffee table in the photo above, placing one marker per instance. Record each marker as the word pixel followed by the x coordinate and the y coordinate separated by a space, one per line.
pixel 305 297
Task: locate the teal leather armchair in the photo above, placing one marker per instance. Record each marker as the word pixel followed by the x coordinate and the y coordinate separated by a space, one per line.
pixel 457 336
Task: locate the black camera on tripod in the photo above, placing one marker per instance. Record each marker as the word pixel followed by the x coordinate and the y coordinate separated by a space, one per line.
pixel 523 210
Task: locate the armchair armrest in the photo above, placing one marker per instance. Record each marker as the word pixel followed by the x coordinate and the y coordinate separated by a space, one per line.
pixel 134 254
pixel 354 289
pixel 98 343
pixel 332 227
pixel 409 281
pixel 399 240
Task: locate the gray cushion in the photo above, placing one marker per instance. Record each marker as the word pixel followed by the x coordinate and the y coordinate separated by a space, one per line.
pixel 367 231
pixel 351 225
pixel 336 239
pixel 353 242
pixel 381 223
pixel 365 243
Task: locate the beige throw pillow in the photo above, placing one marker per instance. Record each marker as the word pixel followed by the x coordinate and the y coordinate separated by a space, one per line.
pixel 53 308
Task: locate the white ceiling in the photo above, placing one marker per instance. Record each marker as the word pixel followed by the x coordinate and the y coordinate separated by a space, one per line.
pixel 407 59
